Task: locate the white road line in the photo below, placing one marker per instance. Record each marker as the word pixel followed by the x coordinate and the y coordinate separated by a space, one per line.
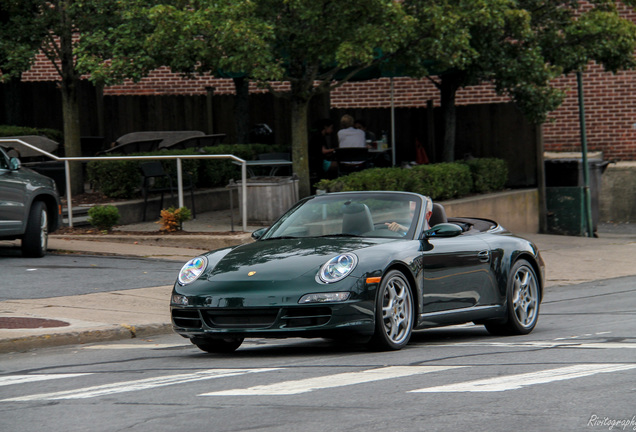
pixel 144 384
pixel 134 346
pixel 23 379
pixel 514 382
pixel 330 381
pixel 546 344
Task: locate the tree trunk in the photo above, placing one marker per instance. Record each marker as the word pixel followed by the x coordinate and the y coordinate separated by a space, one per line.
pixel 70 103
pixel 241 110
pixel 72 145
pixel 300 151
pixel 448 89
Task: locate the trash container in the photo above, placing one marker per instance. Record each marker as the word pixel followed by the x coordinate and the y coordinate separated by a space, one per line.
pixel 565 193
pixel 268 197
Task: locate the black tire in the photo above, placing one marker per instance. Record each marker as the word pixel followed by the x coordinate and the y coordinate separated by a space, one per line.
pixel 218 345
pixel 523 299
pixel 394 313
pixel 36 237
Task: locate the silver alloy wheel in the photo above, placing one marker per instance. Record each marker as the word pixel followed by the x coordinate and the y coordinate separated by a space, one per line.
pixel 44 229
pixel 525 297
pixel 397 310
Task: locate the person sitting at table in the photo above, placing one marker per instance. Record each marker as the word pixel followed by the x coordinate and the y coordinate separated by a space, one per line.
pixel 362 125
pixel 348 136
pixel 320 148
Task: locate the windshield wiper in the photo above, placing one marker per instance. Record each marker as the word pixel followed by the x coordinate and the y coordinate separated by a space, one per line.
pixel 340 235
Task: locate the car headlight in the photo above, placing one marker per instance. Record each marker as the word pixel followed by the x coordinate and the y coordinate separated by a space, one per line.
pixel 338 268
pixel 325 297
pixel 192 270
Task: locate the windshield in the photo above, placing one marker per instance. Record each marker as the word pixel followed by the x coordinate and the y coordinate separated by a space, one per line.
pixel 356 215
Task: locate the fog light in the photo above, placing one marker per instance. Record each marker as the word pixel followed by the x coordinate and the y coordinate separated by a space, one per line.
pixel 180 300
pixel 325 297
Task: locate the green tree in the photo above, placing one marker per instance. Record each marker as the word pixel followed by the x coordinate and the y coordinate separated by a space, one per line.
pixel 50 27
pixel 314 45
pixel 521 47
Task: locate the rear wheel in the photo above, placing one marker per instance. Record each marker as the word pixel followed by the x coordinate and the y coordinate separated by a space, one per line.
pixel 36 237
pixel 218 345
pixel 394 313
pixel 523 300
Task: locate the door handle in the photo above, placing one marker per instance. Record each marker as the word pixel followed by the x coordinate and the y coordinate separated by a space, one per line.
pixel 484 256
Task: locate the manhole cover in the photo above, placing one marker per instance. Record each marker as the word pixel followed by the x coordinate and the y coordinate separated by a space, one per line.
pixel 29 323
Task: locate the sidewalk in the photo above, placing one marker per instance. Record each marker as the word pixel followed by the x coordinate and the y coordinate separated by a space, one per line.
pixel 144 312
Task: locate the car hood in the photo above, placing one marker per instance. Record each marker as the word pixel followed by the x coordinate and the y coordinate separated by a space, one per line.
pixel 281 259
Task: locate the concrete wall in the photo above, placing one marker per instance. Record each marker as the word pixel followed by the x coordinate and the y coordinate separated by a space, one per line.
pixel 205 201
pixel 517 211
pixel 617 200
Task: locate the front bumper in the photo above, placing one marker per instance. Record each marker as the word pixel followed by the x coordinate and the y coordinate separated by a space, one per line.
pixel 276 322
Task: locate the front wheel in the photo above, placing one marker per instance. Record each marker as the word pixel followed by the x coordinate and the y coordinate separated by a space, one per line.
pixel 394 313
pixel 218 345
pixel 36 237
pixel 522 302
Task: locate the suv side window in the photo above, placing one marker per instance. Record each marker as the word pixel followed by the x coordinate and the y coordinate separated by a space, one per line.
pixel 4 164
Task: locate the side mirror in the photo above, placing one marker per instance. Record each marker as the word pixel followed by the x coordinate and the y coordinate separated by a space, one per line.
pixel 443 230
pixel 259 233
pixel 14 164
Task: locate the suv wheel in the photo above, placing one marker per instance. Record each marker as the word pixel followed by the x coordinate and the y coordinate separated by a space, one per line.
pixel 36 237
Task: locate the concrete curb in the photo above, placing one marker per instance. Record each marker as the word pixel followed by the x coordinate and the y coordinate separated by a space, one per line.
pixel 202 241
pixel 117 332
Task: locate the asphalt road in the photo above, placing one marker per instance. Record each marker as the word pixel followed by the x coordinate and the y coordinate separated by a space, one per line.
pixel 575 372
pixel 58 275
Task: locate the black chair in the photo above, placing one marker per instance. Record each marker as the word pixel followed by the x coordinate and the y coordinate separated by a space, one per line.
pixel 156 180
pixel 351 159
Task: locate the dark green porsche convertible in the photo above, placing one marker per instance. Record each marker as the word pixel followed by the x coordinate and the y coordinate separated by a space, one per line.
pixel 372 265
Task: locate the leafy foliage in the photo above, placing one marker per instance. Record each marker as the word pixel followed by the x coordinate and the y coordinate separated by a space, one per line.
pixel 172 219
pixel 8 130
pixel 439 181
pixel 115 179
pixel 103 217
pixel 489 174
pixel 121 179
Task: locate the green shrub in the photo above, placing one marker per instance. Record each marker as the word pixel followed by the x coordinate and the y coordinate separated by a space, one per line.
pixel 8 130
pixel 121 179
pixel 114 178
pixel 442 181
pixel 439 181
pixel 103 217
pixel 489 174
pixel 391 179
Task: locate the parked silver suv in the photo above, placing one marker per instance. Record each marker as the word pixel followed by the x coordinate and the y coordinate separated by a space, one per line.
pixel 29 206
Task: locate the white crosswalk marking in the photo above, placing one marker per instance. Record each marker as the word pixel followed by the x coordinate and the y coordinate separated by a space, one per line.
pixel 514 382
pixel 545 344
pixel 144 384
pixel 134 346
pixel 331 381
pixel 23 379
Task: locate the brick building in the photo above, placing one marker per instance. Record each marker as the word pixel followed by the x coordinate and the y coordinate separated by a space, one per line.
pixel 610 102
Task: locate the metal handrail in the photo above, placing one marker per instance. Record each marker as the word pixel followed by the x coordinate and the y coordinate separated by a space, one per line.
pixel 178 158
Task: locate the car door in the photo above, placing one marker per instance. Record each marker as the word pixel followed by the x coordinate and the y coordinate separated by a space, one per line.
pixel 12 197
pixel 457 273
